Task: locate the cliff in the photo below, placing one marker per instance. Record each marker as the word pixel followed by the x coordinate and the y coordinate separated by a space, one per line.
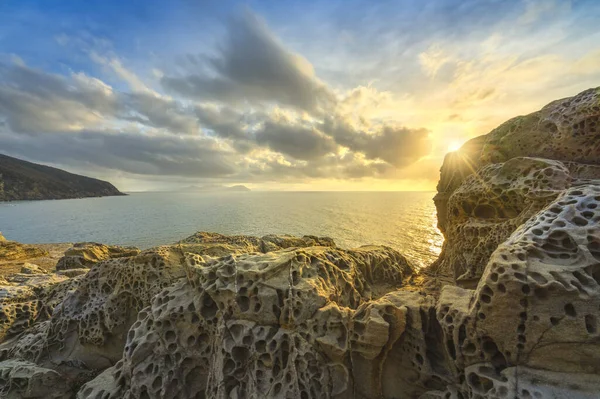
pixel 510 310
pixel 22 180
pixel 498 181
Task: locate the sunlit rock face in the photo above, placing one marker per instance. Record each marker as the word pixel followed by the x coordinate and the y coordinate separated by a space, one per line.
pixel 86 254
pixel 491 185
pixel 531 328
pixel 313 322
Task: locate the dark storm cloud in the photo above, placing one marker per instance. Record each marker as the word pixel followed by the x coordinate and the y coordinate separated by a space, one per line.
pixel 128 152
pixel 252 65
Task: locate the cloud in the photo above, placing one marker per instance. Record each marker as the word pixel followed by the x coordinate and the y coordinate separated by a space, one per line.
pixel 252 65
pixel 296 140
pixel 130 152
pixel 397 145
pixel 32 101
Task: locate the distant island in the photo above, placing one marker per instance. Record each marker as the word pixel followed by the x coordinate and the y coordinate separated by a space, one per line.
pixel 216 187
pixel 22 180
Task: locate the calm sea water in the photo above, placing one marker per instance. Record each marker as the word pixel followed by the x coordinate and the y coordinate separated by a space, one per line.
pixel 402 220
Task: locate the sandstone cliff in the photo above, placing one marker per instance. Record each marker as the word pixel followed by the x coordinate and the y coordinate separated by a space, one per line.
pixel 22 180
pixel 510 310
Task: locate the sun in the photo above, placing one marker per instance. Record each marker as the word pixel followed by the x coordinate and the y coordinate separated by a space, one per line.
pixel 454 146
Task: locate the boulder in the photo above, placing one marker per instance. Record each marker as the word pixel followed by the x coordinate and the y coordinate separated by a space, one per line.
pixel 12 251
pixel 489 206
pixel 30 268
pixel 217 245
pixel 535 309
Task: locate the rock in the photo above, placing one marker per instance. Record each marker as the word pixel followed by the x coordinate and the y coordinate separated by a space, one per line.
pixel 2 237
pixel 489 206
pixel 87 254
pixel 72 272
pixel 90 325
pixel 29 299
pixel 266 325
pixel 536 306
pixel 564 130
pixel 30 268
pixel 20 380
pixel 217 245
pixel 12 250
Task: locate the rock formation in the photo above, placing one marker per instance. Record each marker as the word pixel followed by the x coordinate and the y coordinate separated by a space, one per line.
pixel 86 254
pixel 215 316
pixel 14 251
pixel 492 185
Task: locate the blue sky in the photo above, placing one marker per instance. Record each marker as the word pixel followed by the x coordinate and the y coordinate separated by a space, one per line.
pixel 291 94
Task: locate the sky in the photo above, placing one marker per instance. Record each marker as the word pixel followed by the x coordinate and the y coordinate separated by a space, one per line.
pixel 289 95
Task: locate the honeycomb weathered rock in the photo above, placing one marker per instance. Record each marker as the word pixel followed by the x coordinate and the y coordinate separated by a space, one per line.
pixel 493 203
pixel 86 254
pixel 536 307
pixel 290 322
pixel 566 130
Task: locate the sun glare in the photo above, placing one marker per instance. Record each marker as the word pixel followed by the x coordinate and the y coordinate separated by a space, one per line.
pixel 454 146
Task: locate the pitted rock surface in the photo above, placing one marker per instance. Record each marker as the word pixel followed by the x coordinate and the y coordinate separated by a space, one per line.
pixel 12 250
pixel 26 299
pixel 216 245
pixel 21 380
pixel 565 133
pixel 536 306
pixel 282 324
pixel 89 327
pixel 493 203
pixel 86 254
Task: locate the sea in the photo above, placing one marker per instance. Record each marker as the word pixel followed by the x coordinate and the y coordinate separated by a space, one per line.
pixel 405 221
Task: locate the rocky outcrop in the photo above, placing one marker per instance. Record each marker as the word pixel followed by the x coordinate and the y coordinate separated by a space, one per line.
pixel 214 244
pixel 14 251
pixel 22 180
pixel 84 255
pixel 496 182
pixel 289 322
pixel 494 202
pixel 216 316
pixel 19 379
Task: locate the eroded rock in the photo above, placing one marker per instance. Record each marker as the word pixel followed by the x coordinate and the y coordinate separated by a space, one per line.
pixel 536 306
pixel 86 254
pixel 489 206
pixel 485 192
pixel 12 250
pixel 282 324
pixel 24 380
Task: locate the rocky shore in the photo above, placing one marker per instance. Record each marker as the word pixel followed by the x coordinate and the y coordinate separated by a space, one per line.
pixel 510 309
